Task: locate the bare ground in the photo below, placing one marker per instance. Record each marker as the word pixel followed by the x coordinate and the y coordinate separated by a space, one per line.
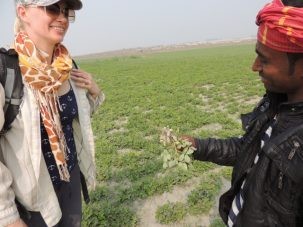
pixel 146 209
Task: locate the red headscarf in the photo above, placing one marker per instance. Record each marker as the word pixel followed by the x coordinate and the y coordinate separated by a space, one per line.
pixel 281 27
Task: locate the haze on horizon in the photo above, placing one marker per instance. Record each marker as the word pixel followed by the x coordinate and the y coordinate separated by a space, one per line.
pixel 121 24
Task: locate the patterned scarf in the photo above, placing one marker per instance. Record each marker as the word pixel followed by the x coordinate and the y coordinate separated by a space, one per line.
pixel 44 80
pixel 281 27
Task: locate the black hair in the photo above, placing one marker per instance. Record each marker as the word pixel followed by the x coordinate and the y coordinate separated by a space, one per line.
pixel 293 57
pixel 295 3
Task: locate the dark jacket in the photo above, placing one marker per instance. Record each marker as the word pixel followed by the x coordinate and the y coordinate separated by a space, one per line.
pixel 273 188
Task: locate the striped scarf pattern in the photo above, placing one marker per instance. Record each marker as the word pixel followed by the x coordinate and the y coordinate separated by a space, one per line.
pixel 238 201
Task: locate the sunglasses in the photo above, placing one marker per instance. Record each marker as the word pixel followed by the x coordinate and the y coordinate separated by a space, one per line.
pixel 55 10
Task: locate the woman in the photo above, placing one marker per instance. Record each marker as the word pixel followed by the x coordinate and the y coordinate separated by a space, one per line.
pixel 51 139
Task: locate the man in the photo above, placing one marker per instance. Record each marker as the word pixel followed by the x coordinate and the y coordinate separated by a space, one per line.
pixel 267 179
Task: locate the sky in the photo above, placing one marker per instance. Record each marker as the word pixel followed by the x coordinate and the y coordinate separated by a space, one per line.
pixel 102 26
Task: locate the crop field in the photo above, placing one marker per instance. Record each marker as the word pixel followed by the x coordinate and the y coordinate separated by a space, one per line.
pixel 198 92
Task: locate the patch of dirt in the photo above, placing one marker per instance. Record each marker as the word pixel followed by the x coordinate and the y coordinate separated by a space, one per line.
pixel 112 184
pixel 214 213
pixel 149 138
pixel 146 209
pixel 210 127
pixel 127 150
pixel 221 107
pixel 203 108
pixel 226 83
pixel 121 121
pixel 253 100
pixel 120 130
pixel 147 111
pixel 208 86
pixel 234 117
pixel 205 99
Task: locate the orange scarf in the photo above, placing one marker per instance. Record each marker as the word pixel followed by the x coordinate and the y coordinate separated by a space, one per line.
pixel 44 80
pixel 281 27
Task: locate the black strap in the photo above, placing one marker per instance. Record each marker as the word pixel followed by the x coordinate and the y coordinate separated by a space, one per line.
pixel 24 213
pixel 83 182
pixel 84 189
pixel 75 66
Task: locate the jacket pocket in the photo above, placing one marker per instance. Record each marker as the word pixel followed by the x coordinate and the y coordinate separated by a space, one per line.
pixel 281 198
pixel 288 157
pixel 279 216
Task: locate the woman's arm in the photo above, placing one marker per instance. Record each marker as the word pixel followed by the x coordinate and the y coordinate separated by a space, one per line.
pixel 9 215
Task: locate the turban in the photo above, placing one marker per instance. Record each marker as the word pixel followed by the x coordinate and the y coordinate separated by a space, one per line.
pixel 281 27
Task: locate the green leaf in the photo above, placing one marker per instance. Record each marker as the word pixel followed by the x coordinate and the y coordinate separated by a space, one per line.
pixel 181 157
pixel 179 146
pixel 172 155
pixel 190 151
pixel 172 163
pixel 165 165
pixel 182 165
pixel 187 159
pixel 166 156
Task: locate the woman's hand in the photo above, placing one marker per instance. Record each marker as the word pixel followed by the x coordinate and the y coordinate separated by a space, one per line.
pixel 84 80
pixel 18 223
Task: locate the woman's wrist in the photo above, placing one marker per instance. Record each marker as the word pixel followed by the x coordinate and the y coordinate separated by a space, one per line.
pixel 95 93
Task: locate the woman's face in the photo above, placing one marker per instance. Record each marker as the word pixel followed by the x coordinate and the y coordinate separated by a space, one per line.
pixel 43 28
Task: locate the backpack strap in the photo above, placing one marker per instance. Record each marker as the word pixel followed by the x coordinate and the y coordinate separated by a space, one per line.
pixel 85 193
pixel 75 66
pixel 11 80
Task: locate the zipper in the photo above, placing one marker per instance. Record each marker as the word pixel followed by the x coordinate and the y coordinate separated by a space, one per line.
pixel 290 157
pixel 293 151
pixel 280 182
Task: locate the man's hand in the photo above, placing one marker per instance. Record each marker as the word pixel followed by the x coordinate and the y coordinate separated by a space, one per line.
pixel 18 223
pixel 178 149
pixel 189 139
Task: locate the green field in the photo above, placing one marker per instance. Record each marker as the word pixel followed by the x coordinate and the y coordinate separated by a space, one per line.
pixel 199 92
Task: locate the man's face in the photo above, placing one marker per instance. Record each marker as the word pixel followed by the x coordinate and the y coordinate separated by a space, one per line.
pixel 273 68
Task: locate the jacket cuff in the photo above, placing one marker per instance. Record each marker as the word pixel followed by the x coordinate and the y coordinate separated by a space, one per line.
pixel 198 152
pixel 9 216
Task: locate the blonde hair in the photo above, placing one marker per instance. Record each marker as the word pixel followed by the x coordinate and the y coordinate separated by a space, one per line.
pixel 18 26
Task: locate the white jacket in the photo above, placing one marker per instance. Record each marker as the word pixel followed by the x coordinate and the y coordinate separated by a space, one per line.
pixel 23 172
